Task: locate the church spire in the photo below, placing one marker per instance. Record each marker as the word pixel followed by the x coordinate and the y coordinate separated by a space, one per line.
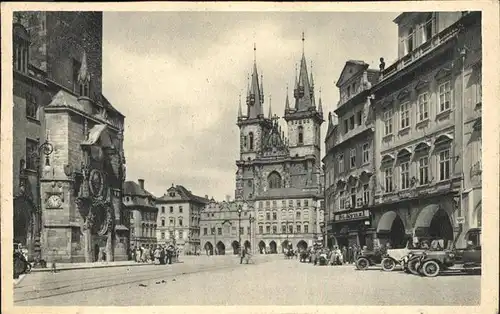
pixel 255 98
pixel 312 79
pixel 320 106
pixel 239 108
pixel 270 116
pixel 83 74
pixel 303 92
pixel 287 101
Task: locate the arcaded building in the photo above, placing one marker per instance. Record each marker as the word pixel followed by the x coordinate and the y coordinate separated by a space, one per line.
pixel 69 163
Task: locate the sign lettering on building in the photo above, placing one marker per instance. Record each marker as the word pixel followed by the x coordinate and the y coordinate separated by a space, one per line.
pixel 352 215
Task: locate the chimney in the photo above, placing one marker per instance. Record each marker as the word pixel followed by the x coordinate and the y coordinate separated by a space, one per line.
pixel 141 183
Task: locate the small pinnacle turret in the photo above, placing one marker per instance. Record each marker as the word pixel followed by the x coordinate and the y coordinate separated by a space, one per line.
pixel 270 116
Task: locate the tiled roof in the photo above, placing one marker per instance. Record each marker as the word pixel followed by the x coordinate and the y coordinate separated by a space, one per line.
pixel 185 194
pixel 133 189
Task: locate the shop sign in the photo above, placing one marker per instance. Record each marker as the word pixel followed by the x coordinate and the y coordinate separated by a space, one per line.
pixel 352 215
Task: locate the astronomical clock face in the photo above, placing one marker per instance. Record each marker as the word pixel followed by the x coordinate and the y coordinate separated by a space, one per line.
pixel 96 182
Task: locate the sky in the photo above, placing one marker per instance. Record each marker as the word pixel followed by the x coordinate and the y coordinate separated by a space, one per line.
pixel 177 77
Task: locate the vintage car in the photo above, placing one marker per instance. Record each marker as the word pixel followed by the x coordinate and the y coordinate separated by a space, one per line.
pixel 369 258
pixel 400 257
pixel 431 263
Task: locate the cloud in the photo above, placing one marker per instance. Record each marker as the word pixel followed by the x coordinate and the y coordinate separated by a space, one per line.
pixel 177 78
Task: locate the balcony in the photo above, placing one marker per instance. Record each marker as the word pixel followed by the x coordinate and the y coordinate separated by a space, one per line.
pixel 422 50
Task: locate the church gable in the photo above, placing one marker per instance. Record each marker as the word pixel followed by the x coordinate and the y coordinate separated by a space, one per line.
pixel 273 144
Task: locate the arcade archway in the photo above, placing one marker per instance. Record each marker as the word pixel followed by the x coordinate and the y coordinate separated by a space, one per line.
pixel 392 229
pixel 434 223
pixel 262 247
pixel 302 245
pixel 235 246
pixel 285 246
pixel 209 248
pixel 272 247
pixel 221 248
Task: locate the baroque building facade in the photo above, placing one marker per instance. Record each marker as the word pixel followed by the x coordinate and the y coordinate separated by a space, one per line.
pixel 142 214
pixel 349 168
pixel 179 216
pixel 427 130
pixel 69 164
pixel 287 170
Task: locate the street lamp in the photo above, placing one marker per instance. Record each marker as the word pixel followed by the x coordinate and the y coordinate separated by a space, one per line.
pixel 239 228
pixel 46 149
pixel 251 220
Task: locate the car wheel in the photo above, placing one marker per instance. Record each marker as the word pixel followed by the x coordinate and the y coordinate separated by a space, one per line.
pixel 412 266
pixel 362 263
pixel 430 269
pixel 388 264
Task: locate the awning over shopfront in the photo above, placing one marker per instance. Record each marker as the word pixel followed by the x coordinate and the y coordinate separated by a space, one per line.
pixel 425 217
pixel 385 223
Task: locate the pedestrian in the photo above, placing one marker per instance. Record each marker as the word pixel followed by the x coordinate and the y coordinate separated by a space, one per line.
pixel 242 255
pixel 53 262
pixel 344 253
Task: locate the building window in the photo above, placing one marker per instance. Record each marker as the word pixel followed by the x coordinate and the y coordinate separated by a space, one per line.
pixel 405 115
pixel 163 235
pixel 306 228
pixel 341 163
pixel 352 158
pixel 353 197
pixel 245 141
pixel 360 117
pixel 163 222
pixel 427 28
pixel 274 204
pixel 283 203
pixel 260 204
pixel 444 165
pixel 366 194
pixel 21 55
pixel 297 215
pixel 388 122
pixel 351 123
pixel 268 204
pixel 283 228
pixel 348 91
pixel 341 200
pixel 171 221
pixel 250 135
pixel 423 107
pixel 261 229
pixel 163 209
pixel 180 209
pixel 444 96
pixel 171 209
pixel 268 216
pixel 31 106
pixel 31 154
pixel 275 229
pixel 301 135
pixel 172 194
pixel 405 175
pixel 409 41
pixel 366 153
pixel 268 229
pixel 171 235
pixel 205 231
pixel 274 180
pixel 423 170
pixel 275 216
pixel 298 203
pixel 290 203
pixel 290 229
pixel 388 179
pixel 346 125
pixel 299 229
pixel 219 231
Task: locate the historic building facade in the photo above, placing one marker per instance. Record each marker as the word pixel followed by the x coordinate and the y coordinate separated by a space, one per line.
pixel 69 165
pixel 349 168
pixel 275 168
pixel 427 129
pixel 142 213
pixel 179 215
pixel 225 226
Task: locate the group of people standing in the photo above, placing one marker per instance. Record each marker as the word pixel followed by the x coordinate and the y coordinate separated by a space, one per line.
pixel 159 255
